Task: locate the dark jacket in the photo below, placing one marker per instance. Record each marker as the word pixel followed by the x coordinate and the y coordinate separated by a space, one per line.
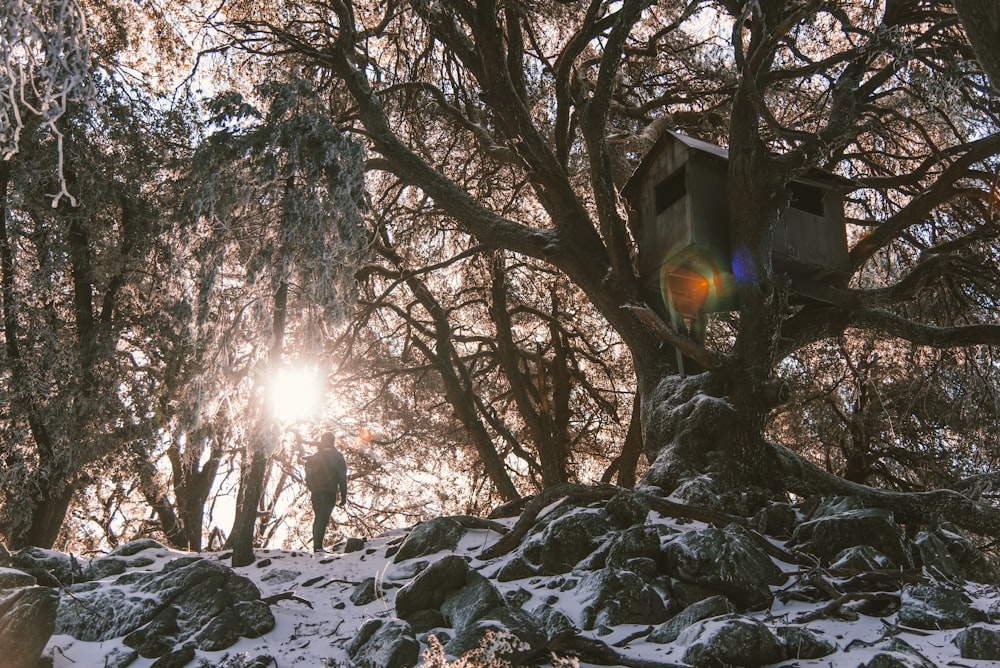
pixel 331 473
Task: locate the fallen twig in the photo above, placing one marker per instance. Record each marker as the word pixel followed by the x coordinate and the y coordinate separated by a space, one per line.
pixel 286 596
pixel 833 607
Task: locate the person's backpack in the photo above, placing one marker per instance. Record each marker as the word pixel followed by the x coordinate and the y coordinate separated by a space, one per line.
pixel 318 470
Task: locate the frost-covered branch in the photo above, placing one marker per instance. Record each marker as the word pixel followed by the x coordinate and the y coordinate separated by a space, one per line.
pixel 45 62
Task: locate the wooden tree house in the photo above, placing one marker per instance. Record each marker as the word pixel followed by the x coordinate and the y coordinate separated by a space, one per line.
pixel 680 220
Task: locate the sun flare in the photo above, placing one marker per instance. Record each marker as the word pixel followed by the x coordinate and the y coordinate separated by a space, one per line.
pixel 296 394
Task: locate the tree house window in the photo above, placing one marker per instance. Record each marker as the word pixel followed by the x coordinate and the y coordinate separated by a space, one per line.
pixel 671 190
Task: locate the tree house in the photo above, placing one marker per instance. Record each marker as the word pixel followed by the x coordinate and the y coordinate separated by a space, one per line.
pixel 680 220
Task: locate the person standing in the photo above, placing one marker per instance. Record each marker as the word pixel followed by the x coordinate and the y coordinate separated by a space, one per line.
pixel 326 477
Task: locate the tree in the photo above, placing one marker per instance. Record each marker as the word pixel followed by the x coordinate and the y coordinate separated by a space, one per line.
pixel 558 94
pixel 274 199
pixel 75 281
pixel 520 368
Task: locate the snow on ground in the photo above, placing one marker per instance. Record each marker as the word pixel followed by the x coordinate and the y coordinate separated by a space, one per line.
pixel 317 633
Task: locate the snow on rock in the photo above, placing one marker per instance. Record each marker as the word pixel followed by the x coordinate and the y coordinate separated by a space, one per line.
pixel 651 591
pixel 27 619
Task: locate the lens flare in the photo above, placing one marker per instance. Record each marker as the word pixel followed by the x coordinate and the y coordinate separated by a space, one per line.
pixel 691 283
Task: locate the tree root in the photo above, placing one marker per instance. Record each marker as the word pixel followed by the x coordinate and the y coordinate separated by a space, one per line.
pixel 833 608
pixel 585 494
pixel 807 479
pixel 574 493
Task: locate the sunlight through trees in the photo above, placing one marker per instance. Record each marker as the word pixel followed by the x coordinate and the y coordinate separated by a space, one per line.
pixel 405 222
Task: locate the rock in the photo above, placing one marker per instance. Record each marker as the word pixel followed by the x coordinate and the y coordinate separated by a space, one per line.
pixel 509 634
pixel 384 643
pixel 611 597
pixel 946 552
pixel 803 643
pixel 730 640
pixel 354 545
pixel 829 535
pixel 699 491
pixel 27 621
pixel 776 519
pixel 933 607
pixel 135 547
pixel 471 602
pixel 516 569
pixel 176 659
pixel 51 569
pixel 640 541
pixel 627 509
pixel 685 594
pixel 725 561
pixel 860 558
pixel 119 657
pixel 826 506
pixel 669 631
pixel 979 642
pixel 430 537
pixel 365 593
pixel 553 621
pixel 159 611
pixel 432 586
pixel 565 541
pixel 105 567
pixel 256 617
pixel 896 653
pixel 423 621
pixel 11 578
pixel 158 637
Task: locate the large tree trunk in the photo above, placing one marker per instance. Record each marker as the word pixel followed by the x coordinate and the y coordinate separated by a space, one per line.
pixel 244 532
pixel 981 19
pixel 46 519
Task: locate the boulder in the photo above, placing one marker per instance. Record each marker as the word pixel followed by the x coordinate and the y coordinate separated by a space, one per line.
pixel 979 642
pixel 430 537
pixel 627 509
pixel 27 620
pixel 366 592
pixel 175 659
pixel 610 597
pixel 803 643
pixel 827 536
pixel 105 567
pixel 945 551
pixel 190 602
pixel 51 569
pixel 429 589
pixel 860 558
pixel 641 541
pixel 11 578
pixel 896 653
pixel 775 519
pixel 933 607
pixel 565 540
pixel 354 545
pixel 157 637
pixel 384 643
pixel 135 547
pixel 471 602
pixel 553 621
pixel 731 640
pixel 669 631
pixel 503 634
pixel 726 561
